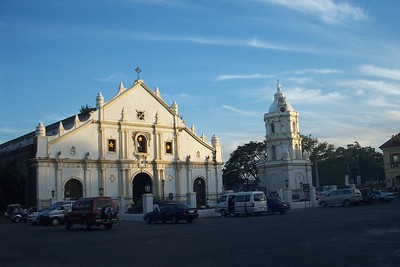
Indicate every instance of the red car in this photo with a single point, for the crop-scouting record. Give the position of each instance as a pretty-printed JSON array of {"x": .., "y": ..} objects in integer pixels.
[{"x": 94, "y": 211}]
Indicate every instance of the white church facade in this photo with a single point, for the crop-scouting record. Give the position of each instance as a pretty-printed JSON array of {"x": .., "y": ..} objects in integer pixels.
[
  {"x": 284, "y": 167},
  {"x": 128, "y": 146}
]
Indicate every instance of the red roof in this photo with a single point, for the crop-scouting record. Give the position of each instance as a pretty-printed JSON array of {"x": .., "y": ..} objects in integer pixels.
[{"x": 392, "y": 142}]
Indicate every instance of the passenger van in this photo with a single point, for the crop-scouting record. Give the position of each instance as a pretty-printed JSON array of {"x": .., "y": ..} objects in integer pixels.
[{"x": 245, "y": 203}]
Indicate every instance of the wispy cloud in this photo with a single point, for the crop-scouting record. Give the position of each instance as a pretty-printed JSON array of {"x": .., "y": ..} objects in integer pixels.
[
  {"x": 380, "y": 72},
  {"x": 116, "y": 77},
  {"x": 238, "y": 111},
  {"x": 373, "y": 86},
  {"x": 315, "y": 96},
  {"x": 243, "y": 76},
  {"x": 327, "y": 11},
  {"x": 317, "y": 71}
]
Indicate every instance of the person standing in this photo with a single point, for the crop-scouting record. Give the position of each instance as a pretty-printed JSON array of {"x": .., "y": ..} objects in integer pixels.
[{"x": 156, "y": 211}]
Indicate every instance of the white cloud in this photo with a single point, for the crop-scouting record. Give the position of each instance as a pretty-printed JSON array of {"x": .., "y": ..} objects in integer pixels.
[
  {"x": 238, "y": 111},
  {"x": 327, "y": 11},
  {"x": 317, "y": 71},
  {"x": 115, "y": 78},
  {"x": 380, "y": 72},
  {"x": 374, "y": 86},
  {"x": 315, "y": 96},
  {"x": 243, "y": 76}
]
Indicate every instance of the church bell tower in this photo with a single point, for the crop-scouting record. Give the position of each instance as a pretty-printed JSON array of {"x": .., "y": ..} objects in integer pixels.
[{"x": 285, "y": 166}]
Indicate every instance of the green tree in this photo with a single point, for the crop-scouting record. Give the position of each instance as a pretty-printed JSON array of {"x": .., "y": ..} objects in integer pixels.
[
  {"x": 241, "y": 168},
  {"x": 86, "y": 109},
  {"x": 331, "y": 164}
]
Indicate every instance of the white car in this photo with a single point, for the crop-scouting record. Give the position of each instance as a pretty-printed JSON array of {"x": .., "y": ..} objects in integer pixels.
[
  {"x": 383, "y": 196},
  {"x": 32, "y": 218}
]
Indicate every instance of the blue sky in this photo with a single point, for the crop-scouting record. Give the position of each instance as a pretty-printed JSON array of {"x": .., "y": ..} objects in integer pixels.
[{"x": 338, "y": 63}]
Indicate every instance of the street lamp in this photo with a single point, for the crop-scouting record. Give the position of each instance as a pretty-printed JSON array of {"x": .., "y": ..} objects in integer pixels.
[
  {"x": 53, "y": 193},
  {"x": 163, "y": 185},
  {"x": 101, "y": 191}
]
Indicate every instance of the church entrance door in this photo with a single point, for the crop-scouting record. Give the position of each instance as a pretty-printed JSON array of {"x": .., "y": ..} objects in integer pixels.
[
  {"x": 199, "y": 186},
  {"x": 73, "y": 189},
  {"x": 142, "y": 184}
]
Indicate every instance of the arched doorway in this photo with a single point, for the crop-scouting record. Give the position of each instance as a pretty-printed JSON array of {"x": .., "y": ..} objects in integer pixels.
[
  {"x": 199, "y": 186},
  {"x": 141, "y": 184},
  {"x": 73, "y": 189}
]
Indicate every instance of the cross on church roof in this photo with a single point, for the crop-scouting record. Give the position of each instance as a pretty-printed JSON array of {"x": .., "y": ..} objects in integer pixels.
[
  {"x": 138, "y": 70},
  {"x": 278, "y": 86}
]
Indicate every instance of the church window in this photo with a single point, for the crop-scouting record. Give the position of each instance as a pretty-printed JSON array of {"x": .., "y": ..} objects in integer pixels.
[
  {"x": 112, "y": 143},
  {"x": 141, "y": 144},
  {"x": 272, "y": 127},
  {"x": 273, "y": 153},
  {"x": 168, "y": 147}
]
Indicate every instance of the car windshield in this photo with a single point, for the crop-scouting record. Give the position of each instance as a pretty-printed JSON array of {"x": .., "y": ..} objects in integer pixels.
[
  {"x": 259, "y": 197},
  {"x": 183, "y": 206},
  {"x": 101, "y": 203},
  {"x": 54, "y": 206}
]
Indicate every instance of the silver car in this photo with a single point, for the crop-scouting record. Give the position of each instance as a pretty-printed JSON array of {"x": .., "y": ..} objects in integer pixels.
[{"x": 344, "y": 197}]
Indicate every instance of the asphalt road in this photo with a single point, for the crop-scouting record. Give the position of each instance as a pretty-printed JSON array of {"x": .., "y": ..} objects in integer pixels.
[{"x": 355, "y": 236}]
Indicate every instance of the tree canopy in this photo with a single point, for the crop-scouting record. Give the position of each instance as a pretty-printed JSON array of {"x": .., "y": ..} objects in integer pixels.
[
  {"x": 330, "y": 164},
  {"x": 242, "y": 165},
  {"x": 86, "y": 109}
]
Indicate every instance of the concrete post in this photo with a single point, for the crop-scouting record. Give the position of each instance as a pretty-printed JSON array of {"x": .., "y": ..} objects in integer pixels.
[
  {"x": 147, "y": 202},
  {"x": 191, "y": 199},
  {"x": 122, "y": 207},
  {"x": 313, "y": 196},
  {"x": 280, "y": 194},
  {"x": 287, "y": 196}
]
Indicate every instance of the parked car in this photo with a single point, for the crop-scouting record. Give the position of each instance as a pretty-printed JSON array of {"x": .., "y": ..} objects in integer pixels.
[
  {"x": 383, "y": 196},
  {"x": 15, "y": 213},
  {"x": 245, "y": 203},
  {"x": 88, "y": 212},
  {"x": 275, "y": 204},
  {"x": 368, "y": 195},
  {"x": 33, "y": 217},
  {"x": 344, "y": 197},
  {"x": 173, "y": 212},
  {"x": 54, "y": 215}
]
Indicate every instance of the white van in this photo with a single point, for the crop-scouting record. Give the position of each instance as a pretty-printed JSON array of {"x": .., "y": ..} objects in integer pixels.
[{"x": 246, "y": 203}]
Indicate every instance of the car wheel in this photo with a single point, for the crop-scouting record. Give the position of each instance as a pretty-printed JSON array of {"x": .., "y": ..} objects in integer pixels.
[
  {"x": 223, "y": 213},
  {"x": 108, "y": 226},
  {"x": 346, "y": 203},
  {"x": 55, "y": 221},
  {"x": 86, "y": 225},
  {"x": 174, "y": 220},
  {"x": 189, "y": 220},
  {"x": 17, "y": 219},
  {"x": 323, "y": 204},
  {"x": 67, "y": 224}
]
